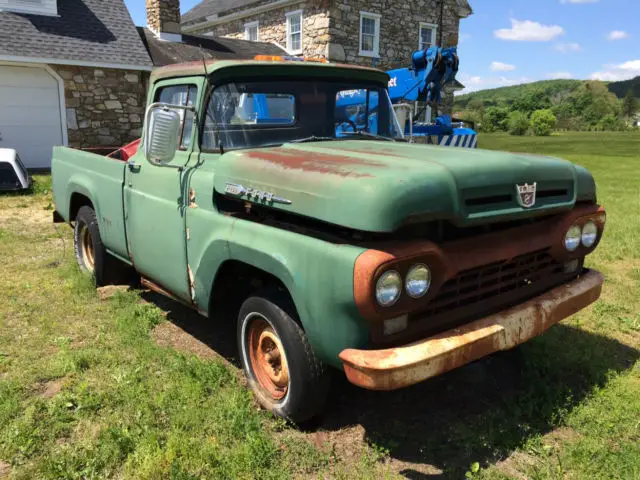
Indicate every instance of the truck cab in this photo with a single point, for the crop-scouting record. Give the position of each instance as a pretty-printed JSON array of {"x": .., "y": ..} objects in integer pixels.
[{"x": 346, "y": 248}]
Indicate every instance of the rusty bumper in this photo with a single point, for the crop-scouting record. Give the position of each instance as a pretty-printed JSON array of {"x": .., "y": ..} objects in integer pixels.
[{"x": 399, "y": 367}]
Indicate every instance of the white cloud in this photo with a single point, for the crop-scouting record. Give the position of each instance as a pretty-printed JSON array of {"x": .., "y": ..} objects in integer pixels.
[
  {"x": 622, "y": 71},
  {"x": 617, "y": 35},
  {"x": 474, "y": 83},
  {"x": 579, "y": 1},
  {"x": 501, "y": 67},
  {"x": 568, "y": 47},
  {"x": 528, "y": 31},
  {"x": 559, "y": 75}
]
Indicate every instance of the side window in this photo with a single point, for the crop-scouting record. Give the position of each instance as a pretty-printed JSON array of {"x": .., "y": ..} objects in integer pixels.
[{"x": 181, "y": 95}]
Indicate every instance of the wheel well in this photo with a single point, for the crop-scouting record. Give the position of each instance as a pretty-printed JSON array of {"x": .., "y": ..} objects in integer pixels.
[
  {"x": 78, "y": 200},
  {"x": 236, "y": 281}
]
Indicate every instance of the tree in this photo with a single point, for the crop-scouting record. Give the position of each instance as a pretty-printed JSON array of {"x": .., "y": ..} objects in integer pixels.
[
  {"x": 629, "y": 104},
  {"x": 592, "y": 101},
  {"x": 543, "y": 122},
  {"x": 531, "y": 101},
  {"x": 518, "y": 123},
  {"x": 495, "y": 119}
]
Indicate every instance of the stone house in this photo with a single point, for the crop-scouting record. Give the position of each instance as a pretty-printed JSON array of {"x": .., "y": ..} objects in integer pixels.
[
  {"x": 71, "y": 73},
  {"x": 379, "y": 33}
]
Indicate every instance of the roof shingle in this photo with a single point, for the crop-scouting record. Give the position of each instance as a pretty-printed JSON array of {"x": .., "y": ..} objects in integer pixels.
[
  {"x": 92, "y": 31},
  {"x": 195, "y": 47},
  {"x": 206, "y": 8}
]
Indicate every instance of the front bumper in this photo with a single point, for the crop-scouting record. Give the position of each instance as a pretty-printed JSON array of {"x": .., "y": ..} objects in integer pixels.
[{"x": 393, "y": 368}]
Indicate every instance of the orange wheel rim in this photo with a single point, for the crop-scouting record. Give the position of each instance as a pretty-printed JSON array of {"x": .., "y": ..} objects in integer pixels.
[
  {"x": 86, "y": 247},
  {"x": 268, "y": 359}
]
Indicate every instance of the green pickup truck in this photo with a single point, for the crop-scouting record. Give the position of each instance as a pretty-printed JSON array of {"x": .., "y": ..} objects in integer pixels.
[{"x": 390, "y": 261}]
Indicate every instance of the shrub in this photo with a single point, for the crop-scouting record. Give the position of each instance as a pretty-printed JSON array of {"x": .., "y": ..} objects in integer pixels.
[
  {"x": 543, "y": 122},
  {"x": 518, "y": 123},
  {"x": 495, "y": 119}
]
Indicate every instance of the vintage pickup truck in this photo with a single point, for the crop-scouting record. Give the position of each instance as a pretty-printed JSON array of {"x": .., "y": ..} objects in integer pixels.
[{"x": 390, "y": 261}]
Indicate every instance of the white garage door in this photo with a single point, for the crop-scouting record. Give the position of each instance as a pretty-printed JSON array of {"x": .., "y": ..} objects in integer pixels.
[{"x": 30, "y": 113}]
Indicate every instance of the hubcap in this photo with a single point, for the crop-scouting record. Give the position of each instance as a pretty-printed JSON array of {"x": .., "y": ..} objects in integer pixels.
[
  {"x": 86, "y": 247},
  {"x": 268, "y": 358}
]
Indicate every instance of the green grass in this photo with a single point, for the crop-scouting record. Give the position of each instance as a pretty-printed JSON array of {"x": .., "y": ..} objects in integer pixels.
[{"x": 86, "y": 392}]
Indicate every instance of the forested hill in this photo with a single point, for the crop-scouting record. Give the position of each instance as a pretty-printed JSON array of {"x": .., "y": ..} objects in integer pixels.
[{"x": 552, "y": 89}]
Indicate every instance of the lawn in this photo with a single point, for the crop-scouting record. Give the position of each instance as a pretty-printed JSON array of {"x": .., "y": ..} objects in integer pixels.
[{"x": 125, "y": 384}]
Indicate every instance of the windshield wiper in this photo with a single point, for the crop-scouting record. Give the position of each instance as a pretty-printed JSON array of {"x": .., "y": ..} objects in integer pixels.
[
  {"x": 312, "y": 138},
  {"x": 360, "y": 133}
]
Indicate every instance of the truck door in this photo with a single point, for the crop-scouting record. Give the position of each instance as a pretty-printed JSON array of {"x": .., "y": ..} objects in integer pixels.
[{"x": 156, "y": 198}]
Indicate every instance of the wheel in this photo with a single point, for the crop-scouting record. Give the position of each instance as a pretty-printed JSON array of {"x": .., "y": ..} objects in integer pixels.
[
  {"x": 280, "y": 365},
  {"x": 91, "y": 254}
]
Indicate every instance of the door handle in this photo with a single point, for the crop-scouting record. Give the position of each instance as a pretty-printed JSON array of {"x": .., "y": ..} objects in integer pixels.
[{"x": 133, "y": 166}]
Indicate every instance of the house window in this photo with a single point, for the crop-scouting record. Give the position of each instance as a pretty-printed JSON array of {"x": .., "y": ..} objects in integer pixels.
[
  {"x": 369, "y": 34},
  {"x": 294, "y": 32},
  {"x": 251, "y": 32},
  {"x": 36, "y": 7},
  {"x": 427, "y": 35}
]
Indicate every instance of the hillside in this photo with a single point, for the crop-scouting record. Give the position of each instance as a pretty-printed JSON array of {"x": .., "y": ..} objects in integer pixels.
[
  {"x": 620, "y": 89},
  {"x": 507, "y": 95},
  {"x": 548, "y": 88}
]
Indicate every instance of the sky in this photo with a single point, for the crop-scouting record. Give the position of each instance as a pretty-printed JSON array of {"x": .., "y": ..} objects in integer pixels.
[{"x": 507, "y": 42}]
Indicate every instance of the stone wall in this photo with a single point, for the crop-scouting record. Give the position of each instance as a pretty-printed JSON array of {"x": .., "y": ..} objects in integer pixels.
[
  {"x": 331, "y": 28},
  {"x": 272, "y": 27},
  {"x": 104, "y": 106},
  {"x": 399, "y": 29}
]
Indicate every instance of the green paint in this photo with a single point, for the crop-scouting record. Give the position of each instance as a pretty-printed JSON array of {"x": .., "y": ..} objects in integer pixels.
[{"x": 145, "y": 212}]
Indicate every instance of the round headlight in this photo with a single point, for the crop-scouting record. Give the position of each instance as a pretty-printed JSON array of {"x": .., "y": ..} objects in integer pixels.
[
  {"x": 589, "y": 234},
  {"x": 418, "y": 280},
  {"x": 572, "y": 238},
  {"x": 388, "y": 288}
]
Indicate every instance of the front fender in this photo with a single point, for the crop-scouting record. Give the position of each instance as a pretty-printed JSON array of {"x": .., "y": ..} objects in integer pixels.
[{"x": 317, "y": 274}]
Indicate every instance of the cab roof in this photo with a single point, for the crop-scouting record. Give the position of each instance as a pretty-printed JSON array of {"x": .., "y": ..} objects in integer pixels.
[{"x": 221, "y": 70}]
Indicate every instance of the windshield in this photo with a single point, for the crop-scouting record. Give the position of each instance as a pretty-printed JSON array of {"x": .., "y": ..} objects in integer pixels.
[{"x": 266, "y": 113}]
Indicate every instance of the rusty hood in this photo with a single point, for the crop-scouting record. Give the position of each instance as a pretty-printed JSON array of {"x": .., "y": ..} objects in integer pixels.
[{"x": 377, "y": 186}]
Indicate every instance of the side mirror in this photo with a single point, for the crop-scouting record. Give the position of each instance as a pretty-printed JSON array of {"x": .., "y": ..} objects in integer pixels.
[{"x": 161, "y": 138}]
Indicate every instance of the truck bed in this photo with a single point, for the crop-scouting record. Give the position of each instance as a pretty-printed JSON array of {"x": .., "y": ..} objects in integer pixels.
[{"x": 80, "y": 176}]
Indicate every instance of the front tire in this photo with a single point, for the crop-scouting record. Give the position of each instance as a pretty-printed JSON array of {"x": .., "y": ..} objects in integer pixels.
[{"x": 280, "y": 365}]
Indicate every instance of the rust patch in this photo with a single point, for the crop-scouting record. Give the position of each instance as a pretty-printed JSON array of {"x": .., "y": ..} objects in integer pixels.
[
  {"x": 393, "y": 368},
  {"x": 192, "y": 198},
  {"x": 315, "y": 162},
  {"x": 192, "y": 283}
]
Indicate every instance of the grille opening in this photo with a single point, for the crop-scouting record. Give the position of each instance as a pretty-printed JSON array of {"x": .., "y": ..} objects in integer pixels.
[
  {"x": 560, "y": 192},
  {"x": 490, "y": 288},
  {"x": 474, "y": 202}
]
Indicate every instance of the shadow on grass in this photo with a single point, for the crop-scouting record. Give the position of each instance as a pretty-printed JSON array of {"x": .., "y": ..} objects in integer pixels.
[
  {"x": 484, "y": 411},
  {"x": 218, "y": 333},
  {"x": 478, "y": 413}
]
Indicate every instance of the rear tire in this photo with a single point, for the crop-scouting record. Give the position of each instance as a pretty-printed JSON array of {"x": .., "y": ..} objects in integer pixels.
[
  {"x": 91, "y": 254},
  {"x": 280, "y": 365}
]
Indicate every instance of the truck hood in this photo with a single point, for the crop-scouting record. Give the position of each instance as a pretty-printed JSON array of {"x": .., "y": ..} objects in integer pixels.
[{"x": 378, "y": 186}]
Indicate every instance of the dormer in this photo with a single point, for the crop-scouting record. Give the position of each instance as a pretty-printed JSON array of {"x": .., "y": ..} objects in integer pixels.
[{"x": 34, "y": 7}]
